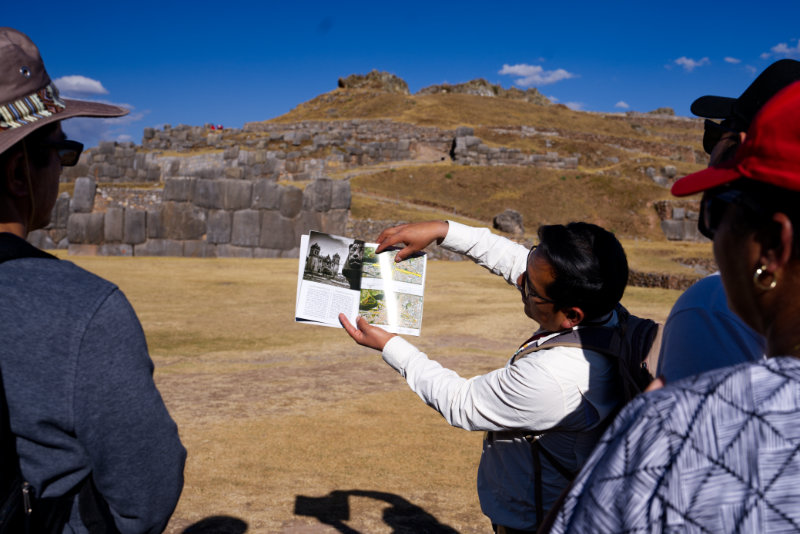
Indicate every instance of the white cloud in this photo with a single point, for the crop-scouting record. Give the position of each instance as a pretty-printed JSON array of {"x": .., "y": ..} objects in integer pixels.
[
  {"x": 529, "y": 75},
  {"x": 785, "y": 50},
  {"x": 732, "y": 60},
  {"x": 690, "y": 64},
  {"x": 751, "y": 69},
  {"x": 552, "y": 99},
  {"x": 622, "y": 105},
  {"x": 80, "y": 85},
  {"x": 575, "y": 106}
]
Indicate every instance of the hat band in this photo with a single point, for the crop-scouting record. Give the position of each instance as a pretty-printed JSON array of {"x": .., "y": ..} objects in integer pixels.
[{"x": 42, "y": 104}]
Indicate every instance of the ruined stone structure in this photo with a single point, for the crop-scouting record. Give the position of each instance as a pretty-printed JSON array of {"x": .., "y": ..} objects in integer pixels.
[
  {"x": 196, "y": 217},
  {"x": 194, "y": 191}
]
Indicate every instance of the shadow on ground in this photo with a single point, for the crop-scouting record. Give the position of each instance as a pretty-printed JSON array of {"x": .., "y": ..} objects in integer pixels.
[
  {"x": 218, "y": 524},
  {"x": 403, "y": 516}
]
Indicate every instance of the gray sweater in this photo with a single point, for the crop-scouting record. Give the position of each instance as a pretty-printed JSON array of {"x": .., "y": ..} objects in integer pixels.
[{"x": 80, "y": 394}]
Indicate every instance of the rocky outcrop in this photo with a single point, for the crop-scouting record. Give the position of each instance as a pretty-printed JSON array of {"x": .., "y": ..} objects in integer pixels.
[
  {"x": 481, "y": 87},
  {"x": 375, "y": 80}
]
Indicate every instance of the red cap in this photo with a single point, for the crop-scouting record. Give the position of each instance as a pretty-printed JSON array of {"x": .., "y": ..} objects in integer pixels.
[{"x": 769, "y": 154}]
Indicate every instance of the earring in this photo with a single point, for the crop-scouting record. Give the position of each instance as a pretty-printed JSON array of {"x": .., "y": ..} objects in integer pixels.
[{"x": 759, "y": 279}]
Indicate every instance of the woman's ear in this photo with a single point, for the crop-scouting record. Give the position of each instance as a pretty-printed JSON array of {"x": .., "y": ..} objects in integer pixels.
[{"x": 776, "y": 249}]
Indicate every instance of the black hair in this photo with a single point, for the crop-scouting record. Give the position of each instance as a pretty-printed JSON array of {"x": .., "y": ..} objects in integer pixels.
[{"x": 589, "y": 266}]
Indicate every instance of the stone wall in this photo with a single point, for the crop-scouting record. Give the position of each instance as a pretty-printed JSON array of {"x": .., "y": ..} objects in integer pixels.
[
  {"x": 470, "y": 150},
  {"x": 195, "y": 217},
  {"x": 679, "y": 219}
]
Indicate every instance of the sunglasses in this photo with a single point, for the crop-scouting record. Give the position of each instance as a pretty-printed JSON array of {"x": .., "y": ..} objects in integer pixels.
[
  {"x": 527, "y": 288},
  {"x": 713, "y": 206},
  {"x": 69, "y": 152},
  {"x": 713, "y": 132}
]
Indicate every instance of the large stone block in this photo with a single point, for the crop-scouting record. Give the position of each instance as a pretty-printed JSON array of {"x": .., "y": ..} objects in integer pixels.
[
  {"x": 334, "y": 221},
  {"x": 266, "y": 195},
  {"x": 155, "y": 230},
  {"x": 179, "y": 189},
  {"x": 306, "y": 221},
  {"x": 199, "y": 249},
  {"x": 291, "y": 201},
  {"x": 41, "y": 239},
  {"x": 232, "y": 251},
  {"x": 113, "y": 225},
  {"x": 60, "y": 214},
  {"x": 340, "y": 195},
  {"x": 317, "y": 195},
  {"x": 246, "y": 228},
  {"x": 673, "y": 229},
  {"x": 135, "y": 230},
  {"x": 277, "y": 231},
  {"x": 218, "y": 229},
  {"x": 83, "y": 197},
  {"x": 181, "y": 220},
  {"x": 159, "y": 247},
  {"x": 86, "y": 228},
  {"x": 236, "y": 195},
  {"x": 208, "y": 193},
  {"x": 115, "y": 249},
  {"x": 82, "y": 250}
]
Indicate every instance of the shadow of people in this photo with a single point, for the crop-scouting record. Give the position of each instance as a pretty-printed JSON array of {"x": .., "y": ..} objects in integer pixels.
[
  {"x": 218, "y": 524},
  {"x": 403, "y": 516}
]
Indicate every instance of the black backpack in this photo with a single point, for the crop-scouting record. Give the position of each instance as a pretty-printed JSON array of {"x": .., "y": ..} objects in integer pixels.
[{"x": 634, "y": 345}]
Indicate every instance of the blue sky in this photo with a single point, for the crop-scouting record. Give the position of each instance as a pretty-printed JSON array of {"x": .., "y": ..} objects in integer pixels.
[{"x": 178, "y": 62}]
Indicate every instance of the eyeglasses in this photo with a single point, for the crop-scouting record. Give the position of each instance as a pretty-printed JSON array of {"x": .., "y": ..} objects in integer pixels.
[
  {"x": 527, "y": 287},
  {"x": 713, "y": 132},
  {"x": 713, "y": 206},
  {"x": 69, "y": 152}
]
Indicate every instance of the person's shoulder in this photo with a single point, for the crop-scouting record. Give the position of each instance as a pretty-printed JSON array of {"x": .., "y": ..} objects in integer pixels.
[
  {"x": 64, "y": 276},
  {"x": 702, "y": 292}
]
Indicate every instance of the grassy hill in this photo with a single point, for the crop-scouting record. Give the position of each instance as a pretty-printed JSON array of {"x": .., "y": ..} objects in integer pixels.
[{"x": 612, "y": 185}]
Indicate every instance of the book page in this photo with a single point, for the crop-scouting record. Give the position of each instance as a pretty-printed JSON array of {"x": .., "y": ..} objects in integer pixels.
[
  {"x": 328, "y": 279},
  {"x": 392, "y": 293}
]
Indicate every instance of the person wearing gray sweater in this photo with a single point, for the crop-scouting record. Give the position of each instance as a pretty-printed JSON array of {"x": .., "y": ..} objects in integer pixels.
[{"x": 90, "y": 427}]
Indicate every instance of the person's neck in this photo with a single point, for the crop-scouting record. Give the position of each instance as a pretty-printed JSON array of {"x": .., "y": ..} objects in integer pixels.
[{"x": 16, "y": 228}]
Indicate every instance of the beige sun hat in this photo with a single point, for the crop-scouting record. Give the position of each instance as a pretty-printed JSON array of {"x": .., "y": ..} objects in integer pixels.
[{"x": 28, "y": 98}]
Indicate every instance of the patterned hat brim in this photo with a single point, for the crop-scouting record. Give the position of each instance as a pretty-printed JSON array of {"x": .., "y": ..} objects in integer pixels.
[{"x": 72, "y": 108}]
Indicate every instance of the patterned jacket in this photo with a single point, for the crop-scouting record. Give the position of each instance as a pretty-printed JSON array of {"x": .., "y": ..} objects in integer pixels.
[{"x": 717, "y": 452}]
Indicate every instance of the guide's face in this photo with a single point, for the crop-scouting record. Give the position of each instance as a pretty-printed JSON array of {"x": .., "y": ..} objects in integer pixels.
[{"x": 533, "y": 283}]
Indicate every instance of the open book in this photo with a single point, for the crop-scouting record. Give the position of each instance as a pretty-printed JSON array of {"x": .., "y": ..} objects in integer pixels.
[{"x": 342, "y": 275}]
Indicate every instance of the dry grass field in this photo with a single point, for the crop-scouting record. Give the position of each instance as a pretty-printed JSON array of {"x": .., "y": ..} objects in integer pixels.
[{"x": 295, "y": 429}]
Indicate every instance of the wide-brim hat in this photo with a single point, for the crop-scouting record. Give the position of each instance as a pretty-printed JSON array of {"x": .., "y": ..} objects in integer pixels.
[
  {"x": 28, "y": 98},
  {"x": 770, "y": 153}
]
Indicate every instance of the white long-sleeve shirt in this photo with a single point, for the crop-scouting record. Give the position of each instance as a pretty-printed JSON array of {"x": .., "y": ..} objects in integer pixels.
[{"x": 562, "y": 387}]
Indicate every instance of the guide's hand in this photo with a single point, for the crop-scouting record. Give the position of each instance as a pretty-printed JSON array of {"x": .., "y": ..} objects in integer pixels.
[
  {"x": 415, "y": 236},
  {"x": 365, "y": 334}
]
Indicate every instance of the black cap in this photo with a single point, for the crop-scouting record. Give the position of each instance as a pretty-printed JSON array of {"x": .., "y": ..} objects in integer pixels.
[{"x": 740, "y": 111}]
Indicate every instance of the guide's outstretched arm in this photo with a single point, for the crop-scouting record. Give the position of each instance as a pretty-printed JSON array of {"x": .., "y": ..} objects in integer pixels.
[
  {"x": 365, "y": 334},
  {"x": 415, "y": 236}
]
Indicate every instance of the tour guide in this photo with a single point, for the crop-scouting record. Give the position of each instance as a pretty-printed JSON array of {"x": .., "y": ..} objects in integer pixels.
[{"x": 573, "y": 278}]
